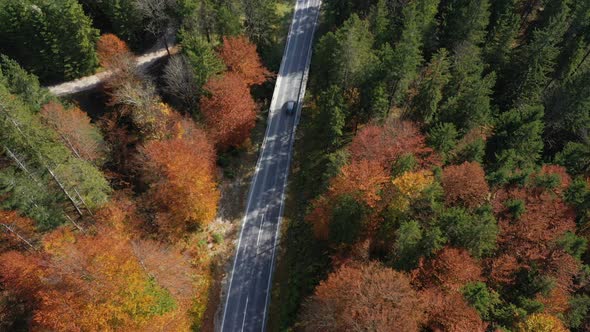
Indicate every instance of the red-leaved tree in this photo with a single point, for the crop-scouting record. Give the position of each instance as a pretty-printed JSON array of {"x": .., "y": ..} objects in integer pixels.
[
  {"x": 109, "y": 49},
  {"x": 449, "y": 270},
  {"x": 386, "y": 143},
  {"x": 240, "y": 56},
  {"x": 465, "y": 184},
  {"x": 364, "y": 297},
  {"x": 229, "y": 111}
]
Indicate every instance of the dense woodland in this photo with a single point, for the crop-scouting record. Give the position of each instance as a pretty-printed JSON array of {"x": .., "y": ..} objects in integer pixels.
[
  {"x": 441, "y": 178},
  {"x": 105, "y": 217},
  {"x": 450, "y": 142}
]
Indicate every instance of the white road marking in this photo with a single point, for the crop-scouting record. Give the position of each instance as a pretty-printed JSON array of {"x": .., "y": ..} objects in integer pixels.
[
  {"x": 244, "y": 320},
  {"x": 260, "y": 231}
]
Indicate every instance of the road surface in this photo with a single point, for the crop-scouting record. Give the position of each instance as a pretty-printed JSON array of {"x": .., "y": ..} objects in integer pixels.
[{"x": 248, "y": 294}]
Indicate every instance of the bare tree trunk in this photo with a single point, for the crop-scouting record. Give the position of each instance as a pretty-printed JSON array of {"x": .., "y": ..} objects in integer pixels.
[{"x": 9, "y": 228}]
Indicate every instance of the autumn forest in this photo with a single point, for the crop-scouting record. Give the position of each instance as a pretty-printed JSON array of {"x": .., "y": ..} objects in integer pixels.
[{"x": 440, "y": 177}]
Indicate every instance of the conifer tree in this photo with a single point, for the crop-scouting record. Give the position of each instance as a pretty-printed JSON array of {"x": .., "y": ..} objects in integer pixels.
[
  {"x": 464, "y": 20},
  {"x": 64, "y": 50},
  {"x": 430, "y": 88},
  {"x": 468, "y": 92},
  {"x": 400, "y": 62}
]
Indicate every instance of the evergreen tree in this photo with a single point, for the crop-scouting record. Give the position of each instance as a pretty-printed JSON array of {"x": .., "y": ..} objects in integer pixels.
[
  {"x": 534, "y": 62},
  {"x": 45, "y": 162},
  {"x": 575, "y": 53},
  {"x": 23, "y": 84},
  {"x": 515, "y": 147},
  {"x": 464, "y": 21},
  {"x": 443, "y": 138},
  {"x": 332, "y": 116},
  {"x": 201, "y": 57},
  {"x": 568, "y": 110},
  {"x": 430, "y": 87},
  {"x": 408, "y": 245},
  {"x": 261, "y": 18},
  {"x": 380, "y": 23},
  {"x": 118, "y": 16},
  {"x": 467, "y": 103},
  {"x": 504, "y": 27},
  {"x": 346, "y": 56},
  {"x": 400, "y": 63},
  {"x": 53, "y": 39}
]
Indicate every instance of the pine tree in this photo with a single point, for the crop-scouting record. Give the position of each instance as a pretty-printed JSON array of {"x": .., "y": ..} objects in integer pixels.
[
  {"x": 53, "y": 39},
  {"x": 260, "y": 22},
  {"x": 353, "y": 56},
  {"x": 515, "y": 147},
  {"x": 380, "y": 23},
  {"x": 332, "y": 116},
  {"x": 430, "y": 88},
  {"x": 464, "y": 21},
  {"x": 467, "y": 102},
  {"x": 535, "y": 61},
  {"x": 400, "y": 63},
  {"x": 504, "y": 27}
]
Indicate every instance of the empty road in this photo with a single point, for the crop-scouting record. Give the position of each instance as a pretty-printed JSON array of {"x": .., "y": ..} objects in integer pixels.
[{"x": 248, "y": 294}]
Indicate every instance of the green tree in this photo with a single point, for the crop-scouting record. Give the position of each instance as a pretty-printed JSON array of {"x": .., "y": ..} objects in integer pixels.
[
  {"x": 467, "y": 102},
  {"x": 201, "y": 57},
  {"x": 400, "y": 63},
  {"x": 380, "y": 23},
  {"x": 261, "y": 19},
  {"x": 535, "y": 61},
  {"x": 346, "y": 57},
  {"x": 464, "y": 21},
  {"x": 118, "y": 16},
  {"x": 443, "y": 138},
  {"x": 578, "y": 311},
  {"x": 504, "y": 27},
  {"x": 37, "y": 152},
  {"x": 575, "y": 157},
  {"x": 430, "y": 88},
  {"x": 567, "y": 109},
  {"x": 332, "y": 116},
  {"x": 408, "y": 245},
  {"x": 23, "y": 84},
  {"x": 484, "y": 300},
  {"x": 476, "y": 233},
  {"x": 347, "y": 220},
  {"x": 515, "y": 147},
  {"x": 53, "y": 39}
]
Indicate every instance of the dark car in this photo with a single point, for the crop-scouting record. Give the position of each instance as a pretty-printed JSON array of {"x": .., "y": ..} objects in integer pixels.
[{"x": 289, "y": 107}]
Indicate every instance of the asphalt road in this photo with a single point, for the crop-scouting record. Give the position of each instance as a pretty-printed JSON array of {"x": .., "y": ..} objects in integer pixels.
[{"x": 248, "y": 294}]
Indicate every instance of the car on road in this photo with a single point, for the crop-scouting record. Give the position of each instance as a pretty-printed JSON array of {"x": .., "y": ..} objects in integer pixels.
[{"x": 289, "y": 107}]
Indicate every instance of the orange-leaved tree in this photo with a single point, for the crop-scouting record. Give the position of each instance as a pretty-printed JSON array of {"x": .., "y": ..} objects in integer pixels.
[
  {"x": 16, "y": 231},
  {"x": 181, "y": 175},
  {"x": 362, "y": 181},
  {"x": 449, "y": 270},
  {"x": 96, "y": 283},
  {"x": 229, "y": 110},
  {"x": 465, "y": 184},
  {"x": 450, "y": 312},
  {"x": 110, "y": 49},
  {"x": 240, "y": 56},
  {"x": 364, "y": 296},
  {"x": 75, "y": 130}
]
